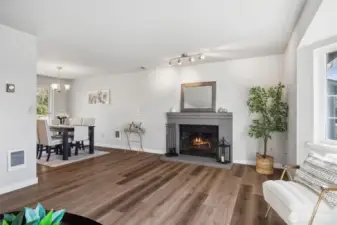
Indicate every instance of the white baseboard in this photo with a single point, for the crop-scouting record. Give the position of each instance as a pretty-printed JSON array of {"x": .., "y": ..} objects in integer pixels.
[
  {"x": 18, "y": 185},
  {"x": 149, "y": 150},
  {"x": 253, "y": 163}
]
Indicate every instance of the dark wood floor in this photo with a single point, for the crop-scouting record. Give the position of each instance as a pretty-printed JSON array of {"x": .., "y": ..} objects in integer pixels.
[{"x": 138, "y": 189}]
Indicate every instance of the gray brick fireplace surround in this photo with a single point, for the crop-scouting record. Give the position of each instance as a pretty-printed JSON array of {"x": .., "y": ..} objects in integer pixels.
[{"x": 223, "y": 120}]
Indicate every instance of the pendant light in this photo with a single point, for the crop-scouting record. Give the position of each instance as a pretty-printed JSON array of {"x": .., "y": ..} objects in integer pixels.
[{"x": 57, "y": 87}]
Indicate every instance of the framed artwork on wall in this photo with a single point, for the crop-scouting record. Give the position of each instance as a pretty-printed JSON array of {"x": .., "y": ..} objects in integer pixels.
[{"x": 99, "y": 97}]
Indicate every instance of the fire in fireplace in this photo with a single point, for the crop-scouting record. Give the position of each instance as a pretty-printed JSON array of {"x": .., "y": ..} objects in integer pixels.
[{"x": 199, "y": 140}]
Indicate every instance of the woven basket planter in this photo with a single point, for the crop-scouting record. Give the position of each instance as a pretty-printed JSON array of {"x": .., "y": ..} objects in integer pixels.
[{"x": 264, "y": 165}]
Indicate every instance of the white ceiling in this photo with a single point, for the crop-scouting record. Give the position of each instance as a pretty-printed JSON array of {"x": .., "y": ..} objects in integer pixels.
[{"x": 89, "y": 37}]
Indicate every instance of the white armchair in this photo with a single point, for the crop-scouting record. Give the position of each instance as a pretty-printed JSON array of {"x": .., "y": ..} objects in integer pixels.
[{"x": 298, "y": 205}]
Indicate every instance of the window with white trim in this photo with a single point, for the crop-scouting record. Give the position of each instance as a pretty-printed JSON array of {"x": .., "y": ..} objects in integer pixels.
[
  {"x": 331, "y": 93},
  {"x": 44, "y": 103}
]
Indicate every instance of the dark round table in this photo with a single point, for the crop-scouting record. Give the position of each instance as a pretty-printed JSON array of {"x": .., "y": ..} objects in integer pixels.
[{"x": 68, "y": 219}]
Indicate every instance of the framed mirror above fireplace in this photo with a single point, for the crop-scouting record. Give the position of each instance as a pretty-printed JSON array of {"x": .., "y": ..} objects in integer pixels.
[{"x": 198, "y": 97}]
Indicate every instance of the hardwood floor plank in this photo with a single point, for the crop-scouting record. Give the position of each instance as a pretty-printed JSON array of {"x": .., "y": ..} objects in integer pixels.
[
  {"x": 144, "y": 213},
  {"x": 238, "y": 170},
  {"x": 222, "y": 198},
  {"x": 126, "y": 188},
  {"x": 168, "y": 209},
  {"x": 141, "y": 168},
  {"x": 110, "y": 218},
  {"x": 105, "y": 208},
  {"x": 164, "y": 177},
  {"x": 212, "y": 179},
  {"x": 138, "y": 173},
  {"x": 187, "y": 202},
  {"x": 191, "y": 211},
  {"x": 241, "y": 214},
  {"x": 144, "y": 193},
  {"x": 197, "y": 170},
  {"x": 205, "y": 215}
]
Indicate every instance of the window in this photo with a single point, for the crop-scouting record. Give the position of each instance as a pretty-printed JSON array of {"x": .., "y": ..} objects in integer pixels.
[
  {"x": 42, "y": 102},
  {"x": 331, "y": 101}
]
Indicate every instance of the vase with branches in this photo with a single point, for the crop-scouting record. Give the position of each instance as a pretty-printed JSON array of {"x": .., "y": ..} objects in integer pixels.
[{"x": 270, "y": 113}]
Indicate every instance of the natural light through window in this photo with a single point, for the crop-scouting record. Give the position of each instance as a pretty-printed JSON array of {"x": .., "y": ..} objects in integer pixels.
[
  {"x": 331, "y": 131},
  {"x": 42, "y": 99}
]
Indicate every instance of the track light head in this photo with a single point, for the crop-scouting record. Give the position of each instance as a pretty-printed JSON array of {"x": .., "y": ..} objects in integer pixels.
[
  {"x": 191, "y": 59},
  {"x": 202, "y": 57},
  {"x": 179, "y": 62}
]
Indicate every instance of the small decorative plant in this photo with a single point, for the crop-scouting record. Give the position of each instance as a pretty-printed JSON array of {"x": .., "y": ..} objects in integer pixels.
[
  {"x": 62, "y": 117},
  {"x": 37, "y": 216},
  {"x": 271, "y": 111}
]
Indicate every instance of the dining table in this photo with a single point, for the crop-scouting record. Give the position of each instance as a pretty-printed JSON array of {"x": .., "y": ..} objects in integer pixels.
[{"x": 66, "y": 129}]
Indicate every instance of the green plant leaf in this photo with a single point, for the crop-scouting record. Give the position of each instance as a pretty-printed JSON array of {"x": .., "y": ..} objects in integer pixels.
[
  {"x": 40, "y": 211},
  {"x": 19, "y": 218},
  {"x": 9, "y": 217},
  {"x": 56, "y": 223},
  {"x": 4, "y": 222},
  {"x": 47, "y": 220},
  {"x": 57, "y": 216},
  {"x": 30, "y": 216},
  {"x": 31, "y": 223}
]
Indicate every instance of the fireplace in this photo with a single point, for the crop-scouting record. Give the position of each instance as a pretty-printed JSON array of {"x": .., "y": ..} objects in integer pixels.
[{"x": 199, "y": 140}]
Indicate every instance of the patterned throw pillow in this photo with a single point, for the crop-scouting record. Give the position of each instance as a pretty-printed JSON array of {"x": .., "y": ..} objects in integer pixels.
[{"x": 316, "y": 172}]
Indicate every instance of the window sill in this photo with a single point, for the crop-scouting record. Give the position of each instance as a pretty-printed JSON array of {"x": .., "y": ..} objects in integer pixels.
[
  {"x": 324, "y": 147},
  {"x": 329, "y": 143}
]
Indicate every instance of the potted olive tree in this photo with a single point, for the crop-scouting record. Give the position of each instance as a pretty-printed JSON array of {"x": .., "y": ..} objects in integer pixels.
[{"x": 270, "y": 114}]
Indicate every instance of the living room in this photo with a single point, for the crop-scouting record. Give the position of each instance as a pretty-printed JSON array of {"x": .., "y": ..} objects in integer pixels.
[{"x": 124, "y": 71}]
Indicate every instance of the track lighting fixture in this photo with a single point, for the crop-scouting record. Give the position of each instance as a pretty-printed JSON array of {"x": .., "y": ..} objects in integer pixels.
[{"x": 184, "y": 58}]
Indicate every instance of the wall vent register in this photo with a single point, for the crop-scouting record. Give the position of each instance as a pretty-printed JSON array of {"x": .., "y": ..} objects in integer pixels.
[{"x": 16, "y": 159}]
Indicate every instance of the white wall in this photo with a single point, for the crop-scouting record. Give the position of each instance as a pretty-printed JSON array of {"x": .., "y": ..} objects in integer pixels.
[
  {"x": 290, "y": 75},
  {"x": 148, "y": 95},
  {"x": 61, "y": 100},
  {"x": 321, "y": 32},
  {"x": 309, "y": 76},
  {"x": 18, "y": 114},
  {"x": 323, "y": 25}
]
